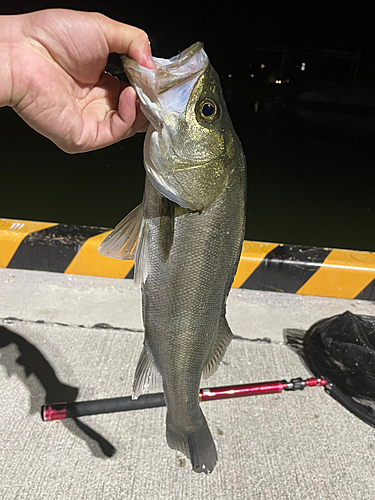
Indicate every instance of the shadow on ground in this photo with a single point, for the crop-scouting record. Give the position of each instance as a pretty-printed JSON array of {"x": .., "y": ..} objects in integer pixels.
[{"x": 21, "y": 358}]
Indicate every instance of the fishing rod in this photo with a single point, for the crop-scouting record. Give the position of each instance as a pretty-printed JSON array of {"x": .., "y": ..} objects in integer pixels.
[{"x": 61, "y": 411}]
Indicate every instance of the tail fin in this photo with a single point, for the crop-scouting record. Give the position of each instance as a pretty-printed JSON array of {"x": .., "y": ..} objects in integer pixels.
[{"x": 197, "y": 445}]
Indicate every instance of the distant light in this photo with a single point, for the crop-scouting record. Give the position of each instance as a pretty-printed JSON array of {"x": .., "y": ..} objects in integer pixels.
[
  {"x": 250, "y": 65},
  {"x": 252, "y": 75},
  {"x": 262, "y": 66},
  {"x": 229, "y": 76},
  {"x": 303, "y": 66},
  {"x": 277, "y": 81}
]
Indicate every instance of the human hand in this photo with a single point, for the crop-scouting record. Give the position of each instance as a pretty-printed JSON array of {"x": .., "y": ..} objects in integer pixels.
[{"x": 58, "y": 85}]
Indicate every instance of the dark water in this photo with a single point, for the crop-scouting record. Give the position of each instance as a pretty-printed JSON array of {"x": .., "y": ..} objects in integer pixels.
[{"x": 307, "y": 184}]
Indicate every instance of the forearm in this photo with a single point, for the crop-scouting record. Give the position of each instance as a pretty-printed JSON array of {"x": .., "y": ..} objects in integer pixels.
[{"x": 10, "y": 40}]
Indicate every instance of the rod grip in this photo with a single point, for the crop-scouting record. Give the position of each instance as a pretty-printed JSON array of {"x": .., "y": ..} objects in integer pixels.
[{"x": 60, "y": 411}]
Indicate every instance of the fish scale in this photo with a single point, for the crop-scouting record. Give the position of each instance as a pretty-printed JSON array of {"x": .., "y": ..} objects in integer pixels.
[{"x": 191, "y": 296}]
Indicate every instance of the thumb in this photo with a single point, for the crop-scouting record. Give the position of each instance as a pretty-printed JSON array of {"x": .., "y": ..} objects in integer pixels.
[{"x": 126, "y": 39}]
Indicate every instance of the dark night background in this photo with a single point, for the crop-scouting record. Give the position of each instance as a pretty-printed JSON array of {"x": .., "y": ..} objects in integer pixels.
[{"x": 311, "y": 172}]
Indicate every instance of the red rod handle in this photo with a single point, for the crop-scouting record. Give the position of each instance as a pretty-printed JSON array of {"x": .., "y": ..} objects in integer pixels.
[
  {"x": 258, "y": 389},
  {"x": 242, "y": 390}
]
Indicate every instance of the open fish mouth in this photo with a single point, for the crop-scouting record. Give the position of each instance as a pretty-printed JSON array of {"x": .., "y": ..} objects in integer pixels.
[
  {"x": 167, "y": 88},
  {"x": 169, "y": 72}
]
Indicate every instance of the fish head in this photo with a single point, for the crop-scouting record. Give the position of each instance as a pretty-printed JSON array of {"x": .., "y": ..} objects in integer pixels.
[{"x": 190, "y": 140}]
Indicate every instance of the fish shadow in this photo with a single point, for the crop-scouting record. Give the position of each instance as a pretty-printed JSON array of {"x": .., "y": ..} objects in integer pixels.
[{"x": 21, "y": 358}]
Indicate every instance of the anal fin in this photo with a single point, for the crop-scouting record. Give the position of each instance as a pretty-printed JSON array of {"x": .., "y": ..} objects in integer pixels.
[
  {"x": 223, "y": 339},
  {"x": 147, "y": 377}
]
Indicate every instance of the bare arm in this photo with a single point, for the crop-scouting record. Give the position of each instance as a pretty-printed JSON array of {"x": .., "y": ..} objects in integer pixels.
[{"x": 52, "y": 74}]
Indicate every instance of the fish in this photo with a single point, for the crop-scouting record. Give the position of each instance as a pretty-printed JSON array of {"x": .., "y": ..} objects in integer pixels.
[{"x": 185, "y": 237}]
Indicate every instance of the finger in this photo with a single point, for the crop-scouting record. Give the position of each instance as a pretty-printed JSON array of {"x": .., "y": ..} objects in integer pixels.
[
  {"x": 102, "y": 128},
  {"x": 126, "y": 39},
  {"x": 123, "y": 123},
  {"x": 128, "y": 109}
]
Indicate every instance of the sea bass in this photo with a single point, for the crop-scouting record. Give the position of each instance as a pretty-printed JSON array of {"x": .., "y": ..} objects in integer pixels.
[{"x": 185, "y": 237}]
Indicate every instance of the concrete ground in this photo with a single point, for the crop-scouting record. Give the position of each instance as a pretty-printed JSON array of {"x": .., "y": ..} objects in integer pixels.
[{"x": 60, "y": 333}]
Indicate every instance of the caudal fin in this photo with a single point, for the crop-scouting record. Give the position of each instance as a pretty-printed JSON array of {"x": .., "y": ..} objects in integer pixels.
[{"x": 198, "y": 445}]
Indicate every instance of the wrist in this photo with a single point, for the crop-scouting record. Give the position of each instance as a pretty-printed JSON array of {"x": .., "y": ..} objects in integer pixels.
[{"x": 10, "y": 36}]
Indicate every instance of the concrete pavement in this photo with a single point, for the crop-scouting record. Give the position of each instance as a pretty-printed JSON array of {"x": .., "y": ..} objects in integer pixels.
[{"x": 60, "y": 334}]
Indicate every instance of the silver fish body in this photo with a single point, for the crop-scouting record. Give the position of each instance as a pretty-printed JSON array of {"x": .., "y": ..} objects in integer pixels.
[{"x": 188, "y": 243}]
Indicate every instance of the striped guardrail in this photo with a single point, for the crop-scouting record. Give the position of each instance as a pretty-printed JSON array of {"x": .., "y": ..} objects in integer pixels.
[{"x": 273, "y": 267}]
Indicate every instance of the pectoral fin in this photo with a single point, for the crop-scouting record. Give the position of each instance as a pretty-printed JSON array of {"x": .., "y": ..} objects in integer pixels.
[
  {"x": 141, "y": 259},
  {"x": 147, "y": 377},
  {"x": 223, "y": 339},
  {"x": 166, "y": 228},
  {"x": 121, "y": 243}
]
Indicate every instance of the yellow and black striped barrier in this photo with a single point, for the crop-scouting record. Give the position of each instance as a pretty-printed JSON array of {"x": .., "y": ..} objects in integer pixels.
[{"x": 273, "y": 267}]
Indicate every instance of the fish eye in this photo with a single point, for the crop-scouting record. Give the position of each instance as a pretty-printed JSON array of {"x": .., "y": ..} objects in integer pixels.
[{"x": 208, "y": 109}]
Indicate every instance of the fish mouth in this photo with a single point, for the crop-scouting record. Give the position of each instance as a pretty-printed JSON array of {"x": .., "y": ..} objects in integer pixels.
[
  {"x": 167, "y": 88},
  {"x": 169, "y": 73}
]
